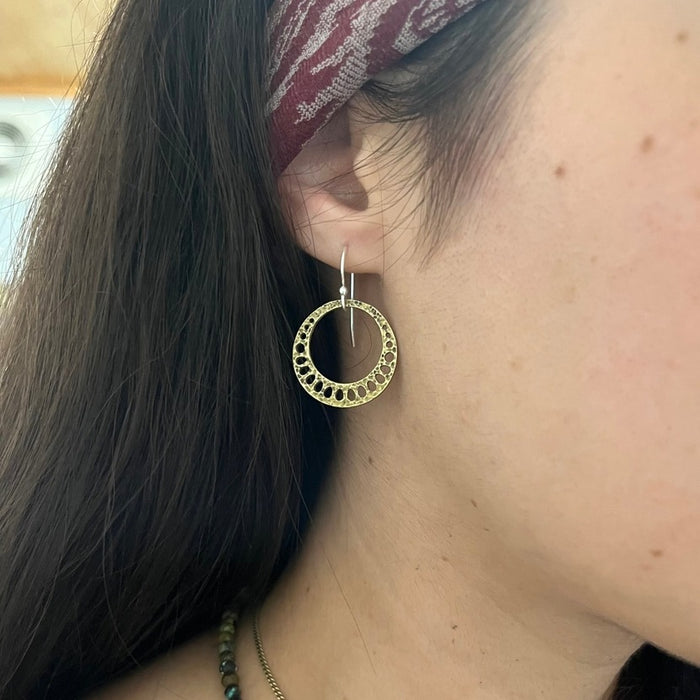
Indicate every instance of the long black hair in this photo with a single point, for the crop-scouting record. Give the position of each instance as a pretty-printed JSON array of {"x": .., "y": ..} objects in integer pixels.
[{"x": 157, "y": 457}]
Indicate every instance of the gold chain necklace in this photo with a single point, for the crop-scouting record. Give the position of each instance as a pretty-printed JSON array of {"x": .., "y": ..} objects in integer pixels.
[
  {"x": 227, "y": 664},
  {"x": 263, "y": 659}
]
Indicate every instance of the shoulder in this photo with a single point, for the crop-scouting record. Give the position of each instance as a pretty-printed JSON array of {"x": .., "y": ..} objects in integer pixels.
[{"x": 187, "y": 672}]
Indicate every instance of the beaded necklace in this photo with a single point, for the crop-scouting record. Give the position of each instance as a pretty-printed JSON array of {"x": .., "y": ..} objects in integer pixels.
[{"x": 227, "y": 664}]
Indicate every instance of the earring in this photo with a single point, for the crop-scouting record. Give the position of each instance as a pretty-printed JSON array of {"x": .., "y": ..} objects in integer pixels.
[{"x": 339, "y": 394}]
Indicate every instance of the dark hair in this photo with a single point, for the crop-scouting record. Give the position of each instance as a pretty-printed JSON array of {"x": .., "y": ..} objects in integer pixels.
[{"x": 156, "y": 453}]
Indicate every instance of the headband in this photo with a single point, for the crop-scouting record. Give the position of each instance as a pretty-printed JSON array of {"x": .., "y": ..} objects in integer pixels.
[{"x": 323, "y": 51}]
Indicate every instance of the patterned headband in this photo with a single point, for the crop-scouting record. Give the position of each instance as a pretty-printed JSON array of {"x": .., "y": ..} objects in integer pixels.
[{"x": 323, "y": 51}]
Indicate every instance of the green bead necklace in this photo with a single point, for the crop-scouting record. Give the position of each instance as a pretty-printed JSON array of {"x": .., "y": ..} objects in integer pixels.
[{"x": 227, "y": 663}]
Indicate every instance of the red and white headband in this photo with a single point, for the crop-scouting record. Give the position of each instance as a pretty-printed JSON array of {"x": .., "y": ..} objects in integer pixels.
[{"x": 323, "y": 51}]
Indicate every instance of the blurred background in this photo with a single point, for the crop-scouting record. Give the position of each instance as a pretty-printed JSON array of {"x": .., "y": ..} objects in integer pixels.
[{"x": 44, "y": 45}]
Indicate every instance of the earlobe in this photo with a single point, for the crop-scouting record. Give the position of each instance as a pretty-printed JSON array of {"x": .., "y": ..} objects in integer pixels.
[{"x": 327, "y": 197}]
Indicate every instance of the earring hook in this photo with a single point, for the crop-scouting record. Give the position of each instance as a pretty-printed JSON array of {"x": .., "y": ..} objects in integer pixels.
[{"x": 343, "y": 293}]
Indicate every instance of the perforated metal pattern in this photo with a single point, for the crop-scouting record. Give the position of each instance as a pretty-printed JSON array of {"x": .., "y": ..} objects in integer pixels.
[{"x": 339, "y": 394}]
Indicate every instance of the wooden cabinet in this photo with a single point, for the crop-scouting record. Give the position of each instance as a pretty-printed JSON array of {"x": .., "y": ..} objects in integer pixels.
[{"x": 43, "y": 43}]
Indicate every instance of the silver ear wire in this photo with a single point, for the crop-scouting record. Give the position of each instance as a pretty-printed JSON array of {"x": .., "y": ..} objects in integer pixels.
[
  {"x": 352, "y": 310},
  {"x": 343, "y": 293}
]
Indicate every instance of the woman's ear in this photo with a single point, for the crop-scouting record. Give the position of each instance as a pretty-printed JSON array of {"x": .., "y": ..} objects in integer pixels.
[{"x": 332, "y": 195}]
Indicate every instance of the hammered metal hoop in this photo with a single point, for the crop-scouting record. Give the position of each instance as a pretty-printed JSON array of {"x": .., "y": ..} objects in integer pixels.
[{"x": 340, "y": 394}]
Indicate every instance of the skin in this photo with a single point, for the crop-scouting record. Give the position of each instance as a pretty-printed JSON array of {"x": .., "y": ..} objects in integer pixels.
[{"x": 519, "y": 511}]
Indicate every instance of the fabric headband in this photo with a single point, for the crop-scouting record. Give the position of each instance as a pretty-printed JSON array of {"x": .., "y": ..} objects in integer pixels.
[{"x": 323, "y": 51}]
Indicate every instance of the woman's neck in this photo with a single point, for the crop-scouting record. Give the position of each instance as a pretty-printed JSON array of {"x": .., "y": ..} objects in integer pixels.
[{"x": 402, "y": 591}]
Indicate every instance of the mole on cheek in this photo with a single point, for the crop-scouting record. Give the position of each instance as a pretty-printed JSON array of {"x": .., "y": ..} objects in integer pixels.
[
  {"x": 682, "y": 37},
  {"x": 560, "y": 172},
  {"x": 647, "y": 144},
  {"x": 656, "y": 552}
]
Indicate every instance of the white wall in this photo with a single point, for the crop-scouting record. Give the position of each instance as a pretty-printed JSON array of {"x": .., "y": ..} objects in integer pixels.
[{"x": 29, "y": 127}]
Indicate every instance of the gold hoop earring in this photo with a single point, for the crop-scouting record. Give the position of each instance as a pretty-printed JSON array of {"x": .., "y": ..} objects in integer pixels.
[{"x": 341, "y": 394}]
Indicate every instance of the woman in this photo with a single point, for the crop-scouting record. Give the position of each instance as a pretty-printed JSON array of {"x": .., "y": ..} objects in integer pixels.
[{"x": 514, "y": 513}]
